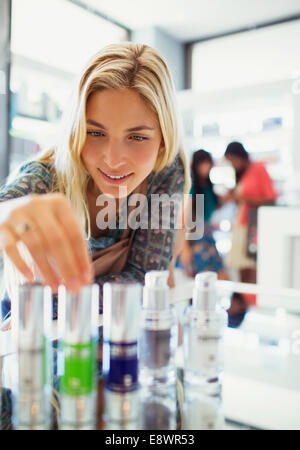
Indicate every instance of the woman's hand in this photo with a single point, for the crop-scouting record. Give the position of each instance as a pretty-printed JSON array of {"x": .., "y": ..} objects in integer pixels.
[{"x": 47, "y": 225}]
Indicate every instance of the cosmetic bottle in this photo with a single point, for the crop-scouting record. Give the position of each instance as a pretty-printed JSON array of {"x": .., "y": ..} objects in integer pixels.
[
  {"x": 158, "y": 407},
  {"x": 78, "y": 335},
  {"x": 159, "y": 332},
  {"x": 203, "y": 331},
  {"x": 157, "y": 345},
  {"x": 121, "y": 317},
  {"x": 31, "y": 326}
]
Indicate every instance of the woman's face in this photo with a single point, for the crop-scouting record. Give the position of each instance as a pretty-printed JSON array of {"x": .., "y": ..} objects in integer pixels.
[
  {"x": 239, "y": 164},
  {"x": 203, "y": 169},
  {"x": 123, "y": 140}
]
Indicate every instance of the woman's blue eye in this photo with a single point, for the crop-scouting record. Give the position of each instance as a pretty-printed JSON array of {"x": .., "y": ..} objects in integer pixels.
[
  {"x": 139, "y": 138},
  {"x": 134, "y": 137},
  {"x": 95, "y": 133}
]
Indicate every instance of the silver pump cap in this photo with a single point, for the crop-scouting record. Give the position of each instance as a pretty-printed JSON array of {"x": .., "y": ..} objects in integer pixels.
[
  {"x": 78, "y": 314},
  {"x": 156, "y": 290},
  {"x": 204, "y": 293},
  {"x": 121, "y": 312},
  {"x": 33, "y": 316}
]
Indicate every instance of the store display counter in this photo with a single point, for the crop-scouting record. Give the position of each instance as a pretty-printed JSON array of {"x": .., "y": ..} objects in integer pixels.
[{"x": 261, "y": 384}]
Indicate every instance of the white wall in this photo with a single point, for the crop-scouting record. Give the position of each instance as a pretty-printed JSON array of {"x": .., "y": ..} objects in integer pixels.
[
  {"x": 254, "y": 57},
  {"x": 278, "y": 261}
]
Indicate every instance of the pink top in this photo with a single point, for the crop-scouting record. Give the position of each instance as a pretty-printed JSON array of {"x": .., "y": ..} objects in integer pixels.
[{"x": 255, "y": 184}]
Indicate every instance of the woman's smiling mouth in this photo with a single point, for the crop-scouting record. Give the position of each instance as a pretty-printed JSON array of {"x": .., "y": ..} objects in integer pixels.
[{"x": 114, "y": 179}]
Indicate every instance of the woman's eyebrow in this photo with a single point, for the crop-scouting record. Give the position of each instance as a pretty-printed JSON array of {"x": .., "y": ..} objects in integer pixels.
[
  {"x": 138, "y": 128},
  {"x": 96, "y": 124}
]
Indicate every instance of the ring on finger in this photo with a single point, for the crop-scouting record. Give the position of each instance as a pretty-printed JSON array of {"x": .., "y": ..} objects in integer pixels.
[{"x": 22, "y": 228}]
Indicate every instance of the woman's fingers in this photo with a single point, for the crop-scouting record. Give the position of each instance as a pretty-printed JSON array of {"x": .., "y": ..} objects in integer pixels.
[
  {"x": 64, "y": 241},
  {"x": 33, "y": 239},
  {"x": 8, "y": 244},
  {"x": 76, "y": 241},
  {"x": 59, "y": 247},
  {"x": 48, "y": 227}
]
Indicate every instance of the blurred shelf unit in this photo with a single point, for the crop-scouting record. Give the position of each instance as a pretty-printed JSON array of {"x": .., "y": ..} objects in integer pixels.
[
  {"x": 38, "y": 90},
  {"x": 38, "y": 95}
]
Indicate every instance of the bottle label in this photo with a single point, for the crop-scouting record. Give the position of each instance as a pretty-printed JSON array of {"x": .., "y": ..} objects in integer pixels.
[
  {"x": 120, "y": 366},
  {"x": 79, "y": 376},
  {"x": 35, "y": 368},
  {"x": 206, "y": 351},
  {"x": 31, "y": 371}
]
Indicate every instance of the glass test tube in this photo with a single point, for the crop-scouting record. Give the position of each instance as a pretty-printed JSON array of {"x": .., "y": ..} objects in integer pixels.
[
  {"x": 78, "y": 332},
  {"x": 158, "y": 407},
  {"x": 32, "y": 390},
  {"x": 121, "y": 312}
]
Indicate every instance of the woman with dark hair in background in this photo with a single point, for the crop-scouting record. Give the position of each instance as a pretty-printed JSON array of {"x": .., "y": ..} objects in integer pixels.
[
  {"x": 254, "y": 188},
  {"x": 202, "y": 254}
]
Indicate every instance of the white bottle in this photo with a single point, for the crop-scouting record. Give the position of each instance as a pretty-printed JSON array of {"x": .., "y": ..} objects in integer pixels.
[
  {"x": 159, "y": 332},
  {"x": 203, "y": 331},
  {"x": 157, "y": 345}
]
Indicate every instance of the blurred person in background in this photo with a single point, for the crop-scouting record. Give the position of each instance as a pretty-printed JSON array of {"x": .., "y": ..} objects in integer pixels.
[
  {"x": 254, "y": 188},
  {"x": 201, "y": 254}
]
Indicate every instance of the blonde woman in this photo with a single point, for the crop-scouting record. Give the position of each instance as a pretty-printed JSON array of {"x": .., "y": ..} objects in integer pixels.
[{"x": 120, "y": 134}]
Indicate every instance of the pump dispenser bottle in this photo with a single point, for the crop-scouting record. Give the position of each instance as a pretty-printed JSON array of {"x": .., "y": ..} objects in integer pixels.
[
  {"x": 159, "y": 332},
  {"x": 203, "y": 330},
  {"x": 157, "y": 346}
]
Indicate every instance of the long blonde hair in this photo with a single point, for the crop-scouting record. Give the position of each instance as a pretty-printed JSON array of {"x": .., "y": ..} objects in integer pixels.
[{"x": 124, "y": 65}]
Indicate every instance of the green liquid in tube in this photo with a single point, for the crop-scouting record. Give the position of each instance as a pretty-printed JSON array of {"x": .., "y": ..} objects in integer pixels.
[{"x": 80, "y": 368}]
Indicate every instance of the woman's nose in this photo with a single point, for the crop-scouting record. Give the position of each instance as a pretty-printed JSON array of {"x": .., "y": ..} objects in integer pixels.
[{"x": 113, "y": 155}]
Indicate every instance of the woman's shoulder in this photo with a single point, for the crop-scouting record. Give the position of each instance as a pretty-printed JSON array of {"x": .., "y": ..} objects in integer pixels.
[
  {"x": 258, "y": 168},
  {"x": 168, "y": 180},
  {"x": 31, "y": 177},
  {"x": 35, "y": 167},
  {"x": 257, "y": 165}
]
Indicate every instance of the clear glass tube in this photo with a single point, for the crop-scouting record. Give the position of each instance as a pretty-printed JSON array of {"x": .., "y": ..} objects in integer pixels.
[
  {"x": 122, "y": 410},
  {"x": 158, "y": 408},
  {"x": 78, "y": 334},
  {"x": 33, "y": 386},
  {"x": 121, "y": 309}
]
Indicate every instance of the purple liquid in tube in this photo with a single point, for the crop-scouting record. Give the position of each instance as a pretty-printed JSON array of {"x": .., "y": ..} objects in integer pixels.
[{"x": 121, "y": 308}]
